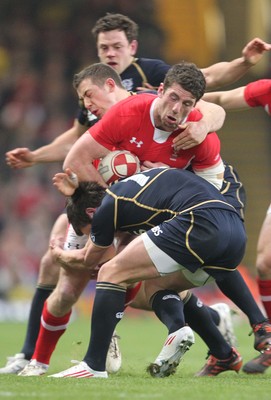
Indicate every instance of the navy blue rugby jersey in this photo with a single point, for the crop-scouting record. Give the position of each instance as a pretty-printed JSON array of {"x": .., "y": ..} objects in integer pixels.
[
  {"x": 144, "y": 200},
  {"x": 144, "y": 70}
]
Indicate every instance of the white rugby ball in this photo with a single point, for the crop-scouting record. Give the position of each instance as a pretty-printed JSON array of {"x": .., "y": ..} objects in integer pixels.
[{"x": 117, "y": 165}]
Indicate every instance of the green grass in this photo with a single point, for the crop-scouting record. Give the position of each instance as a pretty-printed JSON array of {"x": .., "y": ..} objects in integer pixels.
[{"x": 141, "y": 340}]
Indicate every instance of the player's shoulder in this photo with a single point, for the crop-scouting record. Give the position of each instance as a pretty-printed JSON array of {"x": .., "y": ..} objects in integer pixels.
[
  {"x": 152, "y": 62},
  {"x": 138, "y": 99}
]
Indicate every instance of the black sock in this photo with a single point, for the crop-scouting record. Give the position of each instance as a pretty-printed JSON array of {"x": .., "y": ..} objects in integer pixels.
[
  {"x": 235, "y": 288},
  {"x": 33, "y": 326},
  {"x": 107, "y": 311},
  {"x": 198, "y": 318},
  {"x": 168, "y": 307}
]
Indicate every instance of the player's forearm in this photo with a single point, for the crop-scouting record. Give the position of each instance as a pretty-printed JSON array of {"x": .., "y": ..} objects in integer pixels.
[
  {"x": 59, "y": 147},
  {"x": 230, "y": 100},
  {"x": 225, "y": 73},
  {"x": 80, "y": 164},
  {"x": 50, "y": 153},
  {"x": 213, "y": 116}
]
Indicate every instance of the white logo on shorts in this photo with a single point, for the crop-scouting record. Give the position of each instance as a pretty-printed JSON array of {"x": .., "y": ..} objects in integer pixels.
[
  {"x": 119, "y": 315},
  {"x": 156, "y": 230}
]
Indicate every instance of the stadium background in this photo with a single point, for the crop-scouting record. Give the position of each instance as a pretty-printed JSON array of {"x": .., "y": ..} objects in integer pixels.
[{"x": 43, "y": 43}]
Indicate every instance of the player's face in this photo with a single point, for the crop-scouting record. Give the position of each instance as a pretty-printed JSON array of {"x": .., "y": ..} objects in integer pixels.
[
  {"x": 115, "y": 50},
  {"x": 173, "y": 107},
  {"x": 96, "y": 99}
]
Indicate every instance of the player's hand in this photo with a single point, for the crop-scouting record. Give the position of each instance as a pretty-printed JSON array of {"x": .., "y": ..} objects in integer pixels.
[
  {"x": 192, "y": 135},
  {"x": 66, "y": 182},
  {"x": 66, "y": 258},
  {"x": 20, "y": 158},
  {"x": 148, "y": 165},
  {"x": 254, "y": 50}
]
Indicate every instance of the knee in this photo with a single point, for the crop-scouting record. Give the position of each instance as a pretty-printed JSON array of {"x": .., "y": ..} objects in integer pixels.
[{"x": 108, "y": 273}]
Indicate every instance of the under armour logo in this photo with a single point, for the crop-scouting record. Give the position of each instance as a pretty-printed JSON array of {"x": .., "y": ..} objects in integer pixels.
[
  {"x": 138, "y": 144},
  {"x": 156, "y": 230}
]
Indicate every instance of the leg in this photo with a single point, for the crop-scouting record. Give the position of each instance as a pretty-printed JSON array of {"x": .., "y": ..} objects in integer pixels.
[
  {"x": 196, "y": 314},
  {"x": 263, "y": 263},
  {"x": 109, "y": 304},
  {"x": 47, "y": 280},
  {"x": 55, "y": 317},
  {"x": 261, "y": 363}
]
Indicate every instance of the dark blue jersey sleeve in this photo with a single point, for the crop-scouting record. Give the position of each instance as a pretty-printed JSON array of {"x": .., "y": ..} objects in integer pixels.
[{"x": 144, "y": 70}]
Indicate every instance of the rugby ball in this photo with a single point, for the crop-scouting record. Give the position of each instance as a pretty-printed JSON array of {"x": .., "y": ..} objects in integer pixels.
[{"x": 117, "y": 165}]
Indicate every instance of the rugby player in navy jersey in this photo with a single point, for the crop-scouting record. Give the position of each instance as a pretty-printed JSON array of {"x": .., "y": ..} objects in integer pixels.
[{"x": 189, "y": 229}]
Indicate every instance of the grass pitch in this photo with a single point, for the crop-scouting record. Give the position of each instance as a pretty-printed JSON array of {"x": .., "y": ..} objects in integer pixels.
[{"x": 142, "y": 337}]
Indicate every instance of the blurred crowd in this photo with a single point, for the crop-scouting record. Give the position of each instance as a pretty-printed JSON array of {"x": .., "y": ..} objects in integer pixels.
[{"x": 42, "y": 44}]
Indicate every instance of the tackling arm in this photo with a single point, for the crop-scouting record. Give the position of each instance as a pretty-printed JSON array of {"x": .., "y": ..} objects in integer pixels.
[
  {"x": 194, "y": 133},
  {"x": 53, "y": 152}
]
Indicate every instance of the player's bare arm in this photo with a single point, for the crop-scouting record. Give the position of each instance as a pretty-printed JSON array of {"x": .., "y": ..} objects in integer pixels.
[
  {"x": 81, "y": 156},
  {"x": 225, "y": 73},
  {"x": 68, "y": 259},
  {"x": 229, "y": 99},
  {"x": 53, "y": 152}
]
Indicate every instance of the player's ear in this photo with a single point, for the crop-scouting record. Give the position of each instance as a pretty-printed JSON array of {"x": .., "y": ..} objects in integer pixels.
[
  {"x": 133, "y": 47},
  {"x": 111, "y": 84},
  {"x": 90, "y": 212},
  {"x": 160, "y": 90}
]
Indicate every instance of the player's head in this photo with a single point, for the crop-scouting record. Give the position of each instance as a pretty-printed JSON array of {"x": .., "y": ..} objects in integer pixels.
[
  {"x": 116, "y": 39},
  {"x": 82, "y": 204},
  {"x": 183, "y": 86},
  {"x": 99, "y": 87},
  {"x": 188, "y": 76}
]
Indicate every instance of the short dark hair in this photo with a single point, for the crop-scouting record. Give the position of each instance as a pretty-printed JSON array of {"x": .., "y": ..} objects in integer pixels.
[
  {"x": 119, "y": 22},
  {"x": 98, "y": 73},
  {"x": 188, "y": 76},
  {"x": 88, "y": 194}
]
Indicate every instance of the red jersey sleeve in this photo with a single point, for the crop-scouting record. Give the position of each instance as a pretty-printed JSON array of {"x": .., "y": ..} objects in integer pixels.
[
  {"x": 258, "y": 94},
  {"x": 207, "y": 154}
]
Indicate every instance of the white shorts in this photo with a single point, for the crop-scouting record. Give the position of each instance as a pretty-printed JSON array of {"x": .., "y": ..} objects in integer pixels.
[{"x": 166, "y": 265}]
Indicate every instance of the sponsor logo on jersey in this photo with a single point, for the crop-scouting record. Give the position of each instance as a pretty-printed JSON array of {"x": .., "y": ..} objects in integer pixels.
[{"x": 128, "y": 84}]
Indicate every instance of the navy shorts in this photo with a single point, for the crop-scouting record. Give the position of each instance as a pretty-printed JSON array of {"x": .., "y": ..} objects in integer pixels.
[{"x": 210, "y": 239}]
